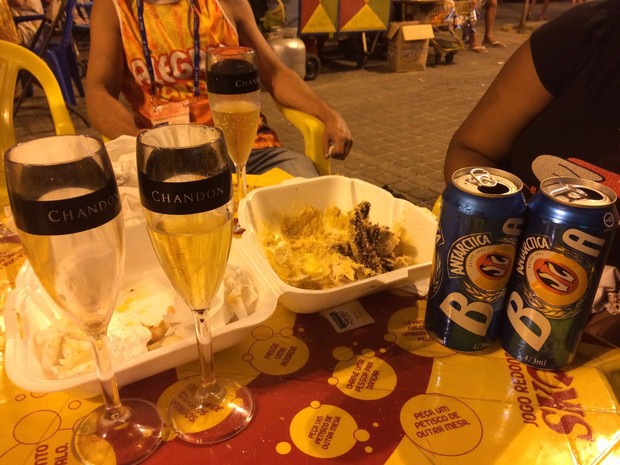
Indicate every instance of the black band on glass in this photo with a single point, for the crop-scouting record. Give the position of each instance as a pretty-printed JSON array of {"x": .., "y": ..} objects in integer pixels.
[
  {"x": 185, "y": 198},
  {"x": 68, "y": 216}
]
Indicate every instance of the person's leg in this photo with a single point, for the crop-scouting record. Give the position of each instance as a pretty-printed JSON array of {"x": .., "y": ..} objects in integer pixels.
[
  {"x": 294, "y": 163},
  {"x": 530, "y": 8},
  {"x": 490, "y": 12},
  {"x": 543, "y": 11},
  {"x": 475, "y": 37},
  {"x": 489, "y": 25}
]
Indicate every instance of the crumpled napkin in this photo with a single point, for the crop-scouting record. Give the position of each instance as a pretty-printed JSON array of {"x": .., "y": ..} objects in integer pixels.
[
  {"x": 607, "y": 297},
  {"x": 122, "y": 153}
]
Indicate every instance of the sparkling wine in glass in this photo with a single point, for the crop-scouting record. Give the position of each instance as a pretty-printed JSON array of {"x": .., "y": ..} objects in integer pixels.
[
  {"x": 67, "y": 211},
  {"x": 186, "y": 194},
  {"x": 233, "y": 88}
]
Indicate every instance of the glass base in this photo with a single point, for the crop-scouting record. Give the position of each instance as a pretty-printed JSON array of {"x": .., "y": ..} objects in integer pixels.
[
  {"x": 210, "y": 415},
  {"x": 131, "y": 438}
]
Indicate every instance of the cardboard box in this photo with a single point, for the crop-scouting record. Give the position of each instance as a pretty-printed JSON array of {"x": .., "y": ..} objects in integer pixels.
[{"x": 408, "y": 46}]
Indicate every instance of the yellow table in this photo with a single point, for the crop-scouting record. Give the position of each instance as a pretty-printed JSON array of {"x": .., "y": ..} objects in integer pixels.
[{"x": 383, "y": 393}]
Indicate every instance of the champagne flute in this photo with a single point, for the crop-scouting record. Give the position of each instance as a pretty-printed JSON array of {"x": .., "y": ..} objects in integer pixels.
[
  {"x": 186, "y": 194},
  {"x": 67, "y": 212},
  {"x": 233, "y": 87}
]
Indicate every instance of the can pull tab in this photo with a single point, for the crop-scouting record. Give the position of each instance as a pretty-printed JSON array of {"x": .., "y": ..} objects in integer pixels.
[
  {"x": 483, "y": 177},
  {"x": 570, "y": 192}
]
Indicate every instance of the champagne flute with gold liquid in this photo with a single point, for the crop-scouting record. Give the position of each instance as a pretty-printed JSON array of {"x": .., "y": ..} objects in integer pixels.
[
  {"x": 67, "y": 211},
  {"x": 186, "y": 193},
  {"x": 233, "y": 88}
]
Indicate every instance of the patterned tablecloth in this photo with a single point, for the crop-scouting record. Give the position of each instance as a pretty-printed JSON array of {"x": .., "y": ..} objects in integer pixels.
[
  {"x": 382, "y": 393},
  {"x": 363, "y": 383}
]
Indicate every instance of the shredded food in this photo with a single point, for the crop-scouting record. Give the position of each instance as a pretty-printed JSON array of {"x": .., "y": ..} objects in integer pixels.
[{"x": 321, "y": 249}]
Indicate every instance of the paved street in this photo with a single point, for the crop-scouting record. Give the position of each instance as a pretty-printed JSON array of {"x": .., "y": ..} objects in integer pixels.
[{"x": 401, "y": 122}]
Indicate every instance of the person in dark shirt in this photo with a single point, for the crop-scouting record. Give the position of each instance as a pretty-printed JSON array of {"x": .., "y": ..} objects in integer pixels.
[{"x": 554, "y": 108}]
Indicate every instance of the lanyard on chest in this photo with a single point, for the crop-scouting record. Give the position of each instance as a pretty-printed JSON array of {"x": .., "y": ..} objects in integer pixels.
[{"x": 147, "y": 52}]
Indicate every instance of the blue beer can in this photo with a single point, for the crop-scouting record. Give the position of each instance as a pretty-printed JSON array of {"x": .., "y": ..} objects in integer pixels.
[
  {"x": 481, "y": 218},
  {"x": 566, "y": 239}
]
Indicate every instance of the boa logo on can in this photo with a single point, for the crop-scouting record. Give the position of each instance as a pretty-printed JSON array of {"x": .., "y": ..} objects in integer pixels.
[
  {"x": 494, "y": 266},
  {"x": 489, "y": 267},
  {"x": 555, "y": 278}
]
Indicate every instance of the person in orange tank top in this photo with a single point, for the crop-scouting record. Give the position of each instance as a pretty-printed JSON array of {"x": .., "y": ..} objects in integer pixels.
[{"x": 176, "y": 32}]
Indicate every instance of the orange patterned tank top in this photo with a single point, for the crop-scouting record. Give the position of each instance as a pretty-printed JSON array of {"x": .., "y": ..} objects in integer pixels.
[{"x": 170, "y": 35}]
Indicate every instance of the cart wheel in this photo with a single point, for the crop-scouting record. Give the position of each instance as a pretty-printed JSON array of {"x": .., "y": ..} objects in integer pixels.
[
  {"x": 313, "y": 66},
  {"x": 81, "y": 66},
  {"x": 450, "y": 57},
  {"x": 438, "y": 57}
]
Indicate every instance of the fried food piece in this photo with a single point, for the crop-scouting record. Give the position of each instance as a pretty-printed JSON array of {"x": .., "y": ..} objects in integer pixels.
[{"x": 362, "y": 248}]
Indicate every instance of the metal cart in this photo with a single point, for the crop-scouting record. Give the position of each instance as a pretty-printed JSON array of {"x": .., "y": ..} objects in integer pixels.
[
  {"x": 448, "y": 18},
  {"x": 317, "y": 21},
  {"x": 448, "y": 22},
  {"x": 342, "y": 19}
]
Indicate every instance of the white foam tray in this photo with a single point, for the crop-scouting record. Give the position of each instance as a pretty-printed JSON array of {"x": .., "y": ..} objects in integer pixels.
[
  {"x": 29, "y": 309},
  {"x": 268, "y": 204}
]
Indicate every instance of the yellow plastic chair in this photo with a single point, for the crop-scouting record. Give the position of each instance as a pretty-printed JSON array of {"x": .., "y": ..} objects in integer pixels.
[
  {"x": 312, "y": 130},
  {"x": 14, "y": 58},
  {"x": 437, "y": 207}
]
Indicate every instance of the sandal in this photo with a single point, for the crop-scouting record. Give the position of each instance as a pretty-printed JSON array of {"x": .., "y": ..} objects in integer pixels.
[
  {"x": 479, "y": 49},
  {"x": 494, "y": 44}
]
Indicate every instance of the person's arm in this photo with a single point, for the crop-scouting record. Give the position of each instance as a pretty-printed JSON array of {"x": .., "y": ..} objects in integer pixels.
[
  {"x": 104, "y": 75},
  {"x": 514, "y": 99},
  {"x": 284, "y": 85},
  {"x": 17, "y": 3}
]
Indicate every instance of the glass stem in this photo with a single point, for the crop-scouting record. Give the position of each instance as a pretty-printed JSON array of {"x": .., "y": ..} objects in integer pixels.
[
  {"x": 242, "y": 183},
  {"x": 107, "y": 380},
  {"x": 205, "y": 348}
]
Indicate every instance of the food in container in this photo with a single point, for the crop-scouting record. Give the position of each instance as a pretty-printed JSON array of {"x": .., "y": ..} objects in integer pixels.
[
  {"x": 325, "y": 248},
  {"x": 30, "y": 311},
  {"x": 416, "y": 228}
]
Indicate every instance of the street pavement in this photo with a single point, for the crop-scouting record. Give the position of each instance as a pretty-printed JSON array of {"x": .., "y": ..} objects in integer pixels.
[{"x": 401, "y": 122}]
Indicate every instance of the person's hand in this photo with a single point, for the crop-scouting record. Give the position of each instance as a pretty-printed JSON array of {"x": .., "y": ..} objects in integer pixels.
[{"x": 337, "y": 139}]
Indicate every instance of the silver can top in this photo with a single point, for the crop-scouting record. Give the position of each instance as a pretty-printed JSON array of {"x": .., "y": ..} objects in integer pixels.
[
  {"x": 486, "y": 182},
  {"x": 578, "y": 192}
]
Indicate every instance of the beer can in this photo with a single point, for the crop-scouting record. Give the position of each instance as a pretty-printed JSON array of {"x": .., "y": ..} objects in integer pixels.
[
  {"x": 566, "y": 239},
  {"x": 481, "y": 218}
]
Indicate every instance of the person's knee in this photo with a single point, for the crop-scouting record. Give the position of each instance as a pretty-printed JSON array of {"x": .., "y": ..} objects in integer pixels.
[
  {"x": 294, "y": 163},
  {"x": 300, "y": 166}
]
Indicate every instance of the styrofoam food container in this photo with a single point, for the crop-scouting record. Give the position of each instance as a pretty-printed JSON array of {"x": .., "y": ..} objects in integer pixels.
[
  {"x": 29, "y": 309},
  {"x": 267, "y": 205}
]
